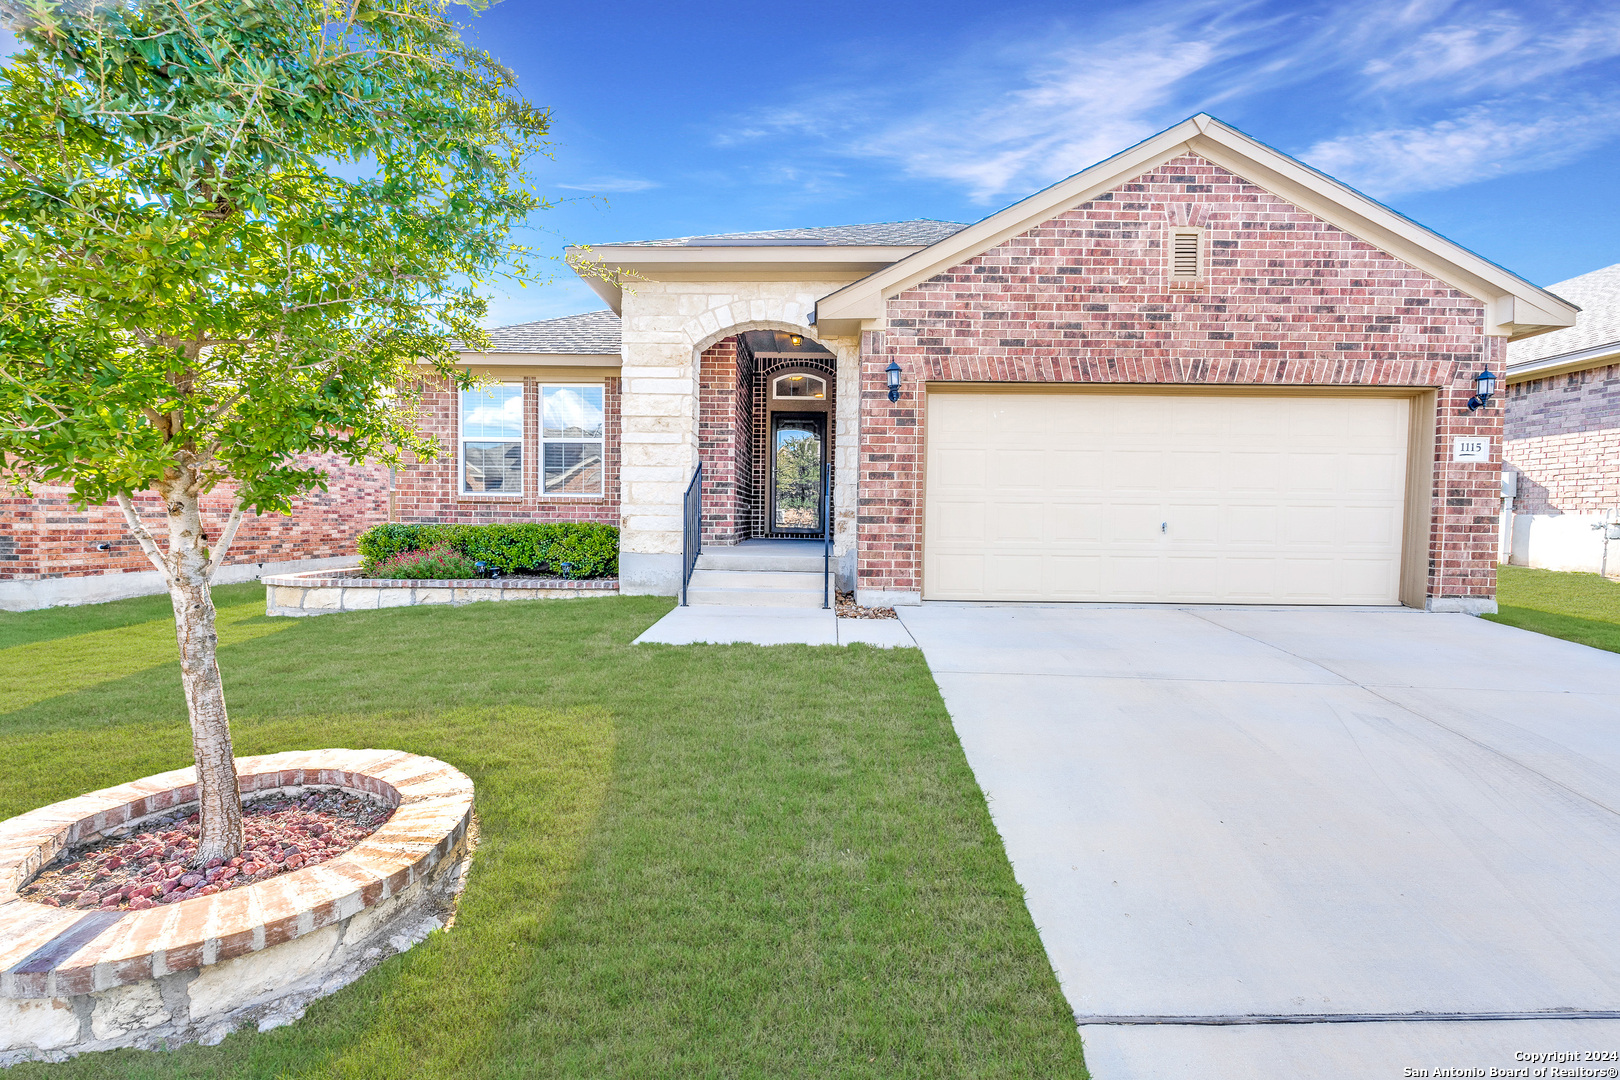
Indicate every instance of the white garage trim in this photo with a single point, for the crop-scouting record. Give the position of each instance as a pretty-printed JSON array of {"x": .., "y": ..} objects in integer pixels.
[{"x": 1176, "y": 494}]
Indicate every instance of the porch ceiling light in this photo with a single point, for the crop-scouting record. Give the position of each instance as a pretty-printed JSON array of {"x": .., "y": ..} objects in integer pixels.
[
  {"x": 1484, "y": 388},
  {"x": 893, "y": 371}
]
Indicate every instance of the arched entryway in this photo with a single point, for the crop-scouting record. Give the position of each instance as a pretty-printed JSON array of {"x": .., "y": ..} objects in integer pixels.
[{"x": 767, "y": 400}]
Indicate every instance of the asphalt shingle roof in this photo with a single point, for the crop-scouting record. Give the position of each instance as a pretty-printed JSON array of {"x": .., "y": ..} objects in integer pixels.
[
  {"x": 594, "y": 333},
  {"x": 917, "y": 233},
  {"x": 1598, "y": 296}
]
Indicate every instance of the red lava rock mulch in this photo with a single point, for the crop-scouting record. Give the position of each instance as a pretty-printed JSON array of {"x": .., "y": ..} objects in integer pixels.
[
  {"x": 849, "y": 609},
  {"x": 149, "y": 868}
]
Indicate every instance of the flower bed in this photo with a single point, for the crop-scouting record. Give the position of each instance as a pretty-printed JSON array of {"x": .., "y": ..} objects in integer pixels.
[{"x": 76, "y": 980}]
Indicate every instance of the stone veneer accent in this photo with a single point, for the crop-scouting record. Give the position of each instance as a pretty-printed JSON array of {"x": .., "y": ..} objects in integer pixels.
[
  {"x": 1286, "y": 300},
  {"x": 1563, "y": 438},
  {"x": 73, "y": 981},
  {"x": 667, "y": 326},
  {"x": 322, "y": 592}
]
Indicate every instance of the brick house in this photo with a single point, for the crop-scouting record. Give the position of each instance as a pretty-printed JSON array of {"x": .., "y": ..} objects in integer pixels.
[
  {"x": 1199, "y": 371},
  {"x": 1563, "y": 434}
]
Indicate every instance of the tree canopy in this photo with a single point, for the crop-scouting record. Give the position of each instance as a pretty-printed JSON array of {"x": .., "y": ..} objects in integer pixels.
[{"x": 232, "y": 233}]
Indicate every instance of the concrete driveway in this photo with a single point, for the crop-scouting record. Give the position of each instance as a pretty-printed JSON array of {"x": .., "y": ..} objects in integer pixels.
[{"x": 1302, "y": 842}]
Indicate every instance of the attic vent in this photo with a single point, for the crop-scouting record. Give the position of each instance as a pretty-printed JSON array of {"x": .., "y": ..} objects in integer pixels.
[{"x": 1186, "y": 255}]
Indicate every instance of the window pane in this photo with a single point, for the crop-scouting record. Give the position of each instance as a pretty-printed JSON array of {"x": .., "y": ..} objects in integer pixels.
[
  {"x": 572, "y": 412},
  {"x": 800, "y": 386},
  {"x": 492, "y": 412},
  {"x": 573, "y": 468},
  {"x": 493, "y": 466}
]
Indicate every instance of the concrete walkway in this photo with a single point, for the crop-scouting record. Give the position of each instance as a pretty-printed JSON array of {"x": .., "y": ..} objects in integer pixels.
[
  {"x": 1297, "y": 835},
  {"x": 737, "y": 625}
]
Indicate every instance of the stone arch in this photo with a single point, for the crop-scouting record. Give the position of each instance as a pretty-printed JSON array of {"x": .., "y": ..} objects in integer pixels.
[{"x": 787, "y": 327}]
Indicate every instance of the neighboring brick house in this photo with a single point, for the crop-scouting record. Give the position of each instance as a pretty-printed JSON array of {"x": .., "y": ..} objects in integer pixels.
[
  {"x": 1197, "y": 371},
  {"x": 1563, "y": 434},
  {"x": 52, "y": 553}
]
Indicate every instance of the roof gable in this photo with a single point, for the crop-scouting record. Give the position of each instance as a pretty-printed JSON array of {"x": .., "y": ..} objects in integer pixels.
[{"x": 1516, "y": 308}]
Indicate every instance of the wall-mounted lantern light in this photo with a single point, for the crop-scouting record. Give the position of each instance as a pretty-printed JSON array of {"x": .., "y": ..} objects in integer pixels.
[
  {"x": 894, "y": 380},
  {"x": 796, "y": 340},
  {"x": 1484, "y": 388}
]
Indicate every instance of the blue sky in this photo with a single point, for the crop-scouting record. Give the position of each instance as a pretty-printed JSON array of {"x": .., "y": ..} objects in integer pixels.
[{"x": 1497, "y": 124}]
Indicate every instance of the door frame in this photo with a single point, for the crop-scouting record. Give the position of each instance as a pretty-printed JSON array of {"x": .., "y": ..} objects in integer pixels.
[{"x": 820, "y": 419}]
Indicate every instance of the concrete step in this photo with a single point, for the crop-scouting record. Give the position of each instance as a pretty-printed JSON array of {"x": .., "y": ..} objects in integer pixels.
[
  {"x": 781, "y": 556},
  {"x": 755, "y": 588}
]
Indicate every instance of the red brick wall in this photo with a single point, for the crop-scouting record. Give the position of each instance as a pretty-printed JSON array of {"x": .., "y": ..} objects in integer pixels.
[
  {"x": 1563, "y": 437},
  {"x": 1287, "y": 299},
  {"x": 45, "y": 537},
  {"x": 718, "y": 404},
  {"x": 429, "y": 492}
]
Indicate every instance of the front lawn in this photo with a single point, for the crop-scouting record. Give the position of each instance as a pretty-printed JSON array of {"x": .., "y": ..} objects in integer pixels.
[
  {"x": 701, "y": 861},
  {"x": 1575, "y": 607}
]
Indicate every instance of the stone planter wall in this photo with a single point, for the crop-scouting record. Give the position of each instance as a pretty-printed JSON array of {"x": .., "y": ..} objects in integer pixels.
[
  {"x": 321, "y": 592},
  {"x": 77, "y": 980}
]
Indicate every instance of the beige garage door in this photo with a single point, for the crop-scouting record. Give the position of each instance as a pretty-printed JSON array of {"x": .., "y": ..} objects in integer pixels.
[{"x": 1159, "y": 497}]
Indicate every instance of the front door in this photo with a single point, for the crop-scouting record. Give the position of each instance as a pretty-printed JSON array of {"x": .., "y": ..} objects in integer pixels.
[{"x": 797, "y": 452}]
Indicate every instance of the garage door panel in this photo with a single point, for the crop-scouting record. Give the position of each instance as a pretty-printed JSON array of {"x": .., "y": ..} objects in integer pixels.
[
  {"x": 1017, "y": 522},
  {"x": 1264, "y": 500}
]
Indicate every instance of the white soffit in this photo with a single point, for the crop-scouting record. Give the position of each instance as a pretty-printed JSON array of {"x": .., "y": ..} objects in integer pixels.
[
  {"x": 608, "y": 269},
  {"x": 1514, "y": 307}
]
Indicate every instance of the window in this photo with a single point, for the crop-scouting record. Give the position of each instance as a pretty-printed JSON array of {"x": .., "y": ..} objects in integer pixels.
[
  {"x": 492, "y": 440},
  {"x": 571, "y": 451},
  {"x": 799, "y": 386},
  {"x": 1186, "y": 255}
]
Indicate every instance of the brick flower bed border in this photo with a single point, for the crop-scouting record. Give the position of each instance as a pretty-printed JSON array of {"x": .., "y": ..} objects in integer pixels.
[
  {"x": 321, "y": 592},
  {"x": 55, "y": 957}
]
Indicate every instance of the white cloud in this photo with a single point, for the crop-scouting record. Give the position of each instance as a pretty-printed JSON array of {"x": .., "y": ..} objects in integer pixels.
[
  {"x": 1469, "y": 49},
  {"x": 1497, "y": 138},
  {"x": 1083, "y": 104},
  {"x": 611, "y": 185}
]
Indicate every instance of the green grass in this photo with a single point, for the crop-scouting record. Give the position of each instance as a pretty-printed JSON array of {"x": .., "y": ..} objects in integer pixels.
[
  {"x": 1576, "y": 607},
  {"x": 704, "y": 861}
]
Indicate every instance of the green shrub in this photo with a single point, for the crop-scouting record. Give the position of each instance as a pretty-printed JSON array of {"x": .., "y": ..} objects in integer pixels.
[
  {"x": 589, "y": 549},
  {"x": 435, "y": 562}
]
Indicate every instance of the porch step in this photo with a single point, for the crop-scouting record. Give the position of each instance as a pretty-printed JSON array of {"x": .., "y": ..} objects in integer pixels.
[
  {"x": 777, "y": 555},
  {"x": 755, "y": 588}
]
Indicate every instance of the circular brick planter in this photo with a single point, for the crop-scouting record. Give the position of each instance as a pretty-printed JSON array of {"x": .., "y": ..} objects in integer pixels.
[{"x": 76, "y": 980}]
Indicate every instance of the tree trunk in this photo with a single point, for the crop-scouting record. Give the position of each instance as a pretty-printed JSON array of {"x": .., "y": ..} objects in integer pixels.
[{"x": 219, "y": 797}]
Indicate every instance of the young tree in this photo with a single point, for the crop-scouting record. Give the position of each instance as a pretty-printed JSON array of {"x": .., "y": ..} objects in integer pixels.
[{"x": 234, "y": 234}]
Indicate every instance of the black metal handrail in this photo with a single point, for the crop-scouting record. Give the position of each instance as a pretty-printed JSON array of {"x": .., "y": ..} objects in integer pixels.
[
  {"x": 826, "y": 532},
  {"x": 691, "y": 529}
]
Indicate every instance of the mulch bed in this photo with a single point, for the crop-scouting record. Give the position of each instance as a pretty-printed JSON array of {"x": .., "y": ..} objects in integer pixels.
[
  {"x": 849, "y": 609},
  {"x": 150, "y": 867}
]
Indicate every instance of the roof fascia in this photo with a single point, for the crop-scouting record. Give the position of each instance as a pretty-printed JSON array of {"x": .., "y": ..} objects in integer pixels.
[
  {"x": 512, "y": 356},
  {"x": 1515, "y": 308},
  {"x": 1597, "y": 356}
]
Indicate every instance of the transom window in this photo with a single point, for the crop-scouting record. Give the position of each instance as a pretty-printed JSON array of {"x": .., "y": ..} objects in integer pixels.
[
  {"x": 492, "y": 439},
  {"x": 571, "y": 438},
  {"x": 799, "y": 385}
]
